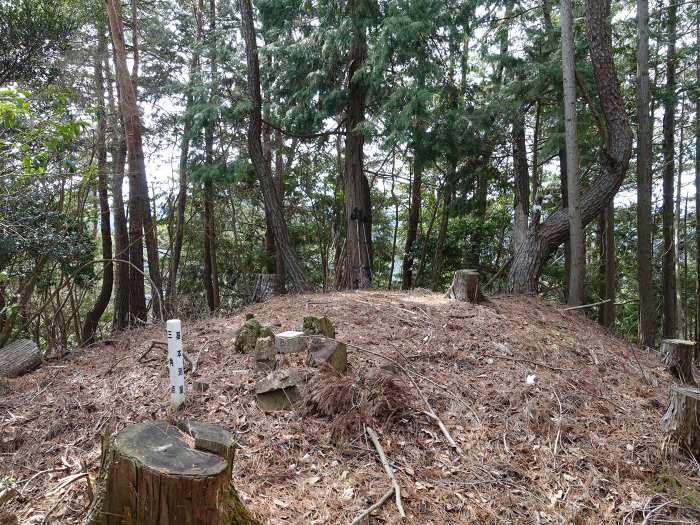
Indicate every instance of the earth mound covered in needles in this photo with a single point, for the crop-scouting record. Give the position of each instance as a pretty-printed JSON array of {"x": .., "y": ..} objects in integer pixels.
[{"x": 555, "y": 420}]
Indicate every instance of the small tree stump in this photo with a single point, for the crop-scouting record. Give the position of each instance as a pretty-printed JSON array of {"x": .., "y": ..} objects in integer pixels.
[
  {"x": 465, "y": 286},
  {"x": 19, "y": 357},
  {"x": 153, "y": 473},
  {"x": 682, "y": 417},
  {"x": 678, "y": 359}
]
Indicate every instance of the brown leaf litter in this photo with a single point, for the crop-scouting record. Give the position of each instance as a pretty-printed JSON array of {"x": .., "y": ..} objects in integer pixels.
[{"x": 557, "y": 420}]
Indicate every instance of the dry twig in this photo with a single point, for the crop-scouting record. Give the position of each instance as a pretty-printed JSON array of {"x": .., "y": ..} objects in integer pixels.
[
  {"x": 374, "y": 507},
  {"x": 387, "y": 468}
]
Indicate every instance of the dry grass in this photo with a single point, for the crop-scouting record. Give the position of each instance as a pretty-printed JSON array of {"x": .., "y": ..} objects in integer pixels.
[{"x": 580, "y": 445}]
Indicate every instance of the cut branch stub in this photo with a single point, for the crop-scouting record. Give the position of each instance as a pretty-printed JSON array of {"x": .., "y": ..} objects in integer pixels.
[
  {"x": 154, "y": 473},
  {"x": 682, "y": 417},
  {"x": 465, "y": 286},
  {"x": 678, "y": 359}
]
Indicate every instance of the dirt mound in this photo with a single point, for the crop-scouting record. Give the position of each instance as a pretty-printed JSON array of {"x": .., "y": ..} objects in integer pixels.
[{"x": 557, "y": 420}]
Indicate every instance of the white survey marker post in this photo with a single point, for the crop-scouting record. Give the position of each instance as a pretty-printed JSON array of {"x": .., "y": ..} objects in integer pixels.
[{"x": 176, "y": 363}]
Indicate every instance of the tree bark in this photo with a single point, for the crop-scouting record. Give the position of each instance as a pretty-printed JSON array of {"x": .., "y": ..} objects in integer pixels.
[
  {"x": 211, "y": 274},
  {"x": 647, "y": 297},
  {"x": 92, "y": 318},
  {"x": 185, "y": 141},
  {"x": 606, "y": 314},
  {"x": 270, "y": 192},
  {"x": 140, "y": 219},
  {"x": 521, "y": 203},
  {"x": 697, "y": 187},
  {"x": 413, "y": 220},
  {"x": 678, "y": 359},
  {"x": 191, "y": 483},
  {"x": 358, "y": 209},
  {"x": 576, "y": 235},
  {"x": 670, "y": 322},
  {"x": 438, "y": 257},
  {"x": 542, "y": 241}
]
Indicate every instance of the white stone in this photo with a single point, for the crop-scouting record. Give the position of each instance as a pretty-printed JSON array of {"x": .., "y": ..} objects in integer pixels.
[{"x": 290, "y": 342}]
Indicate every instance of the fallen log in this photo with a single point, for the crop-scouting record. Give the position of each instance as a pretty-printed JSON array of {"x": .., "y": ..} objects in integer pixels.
[{"x": 19, "y": 357}]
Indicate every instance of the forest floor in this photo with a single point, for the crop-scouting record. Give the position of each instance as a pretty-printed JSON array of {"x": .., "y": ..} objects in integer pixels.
[{"x": 577, "y": 443}]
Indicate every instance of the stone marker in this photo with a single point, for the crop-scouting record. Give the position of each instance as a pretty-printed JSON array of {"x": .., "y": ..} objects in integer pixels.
[
  {"x": 328, "y": 351},
  {"x": 318, "y": 326},
  {"x": 265, "y": 354},
  {"x": 19, "y": 357},
  {"x": 278, "y": 390},
  {"x": 291, "y": 342}
]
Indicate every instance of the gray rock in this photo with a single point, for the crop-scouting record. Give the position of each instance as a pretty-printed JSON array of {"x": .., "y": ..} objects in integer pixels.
[
  {"x": 291, "y": 342},
  {"x": 318, "y": 326},
  {"x": 278, "y": 390},
  {"x": 329, "y": 352},
  {"x": 265, "y": 354}
]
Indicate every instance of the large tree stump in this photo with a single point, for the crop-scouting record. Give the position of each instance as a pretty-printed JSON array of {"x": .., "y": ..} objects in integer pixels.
[
  {"x": 153, "y": 473},
  {"x": 19, "y": 358},
  {"x": 465, "y": 286},
  {"x": 678, "y": 359},
  {"x": 682, "y": 417}
]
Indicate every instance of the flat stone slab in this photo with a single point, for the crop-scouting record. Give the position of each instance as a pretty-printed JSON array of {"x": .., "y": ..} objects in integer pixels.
[{"x": 290, "y": 342}]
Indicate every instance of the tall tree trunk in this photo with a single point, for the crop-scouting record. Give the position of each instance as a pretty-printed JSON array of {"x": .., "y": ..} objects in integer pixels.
[
  {"x": 647, "y": 297},
  {"x": 535, "y": 185},
  {"x": 194, "y": 81},
  {"x": 542, "y": 241},
  {"x": 395, "y": 200},
  {"x": 606, "y": 313},
  {"x": 92, "y": 318},
  {"x": 358, "y": 273},
  {"x": 413, "y": 220},
  {"x": 680, "y": 318},
  {"x": 670, "y": 323},
  {"x": 121, "y": 233},
  {"x": 270, "y": 192},
  {"x": 139, "y": 210},
  {"x": 576, "y": 235},
  {"x": 211, "y": 274},
  {"x": 697, "y": 183},
  {"x": 438, "y": 257},
  {"x": 521, "y": 203},
  {"x": 280, "y": 172}
]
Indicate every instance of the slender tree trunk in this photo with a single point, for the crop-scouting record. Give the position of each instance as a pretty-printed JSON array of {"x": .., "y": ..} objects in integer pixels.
[
  {"x": 697, "y": 183},
  {"x": 535, "y": 155},
  {"x": 92, "y": 318},
  {"x": 121, "y": 233},
  {"x": 428, "y": 234},
  {"x": 395, "y": 200},
  {"x": 670, "y": 324},
  {"x": 270, "y": 192},
  {"x": 412, "y": 226},
  {"x": 139, "y": 210},
  {"x": 576, "y": 235},
  {"x": 680, "y": 318},
  {"x": 194, "y": 81},
  {"x": 606, "y": 236},
  {"x": 358, "y": 208},
  {"x": 521, "y": 202},
  {"x": 280, "y": 171},
  {"x": 438, "y": 257},
  {"x": 647, "y": 296},
  {"x": 542, "y": 241}
]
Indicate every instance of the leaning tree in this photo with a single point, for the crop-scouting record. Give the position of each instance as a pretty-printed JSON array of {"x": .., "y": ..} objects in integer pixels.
[{"x": 543, "y": 239}]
